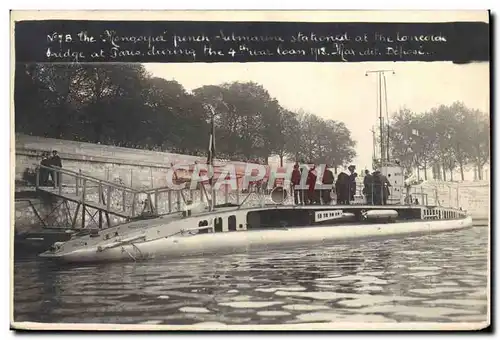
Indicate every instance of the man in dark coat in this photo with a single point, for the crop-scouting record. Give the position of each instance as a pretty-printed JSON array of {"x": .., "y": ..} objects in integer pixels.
[
  {"x": 302, "y": 191},
  {"x": 385, "y": 185},
  {"x": 328, "y": 179},
  {"x": 44, "y": 172},
  {"x": 377, "y": 192},
  {"x": 296, "y": 175},
  {"x": 55, "y": 161},
  {"x": 342, "y": 188},
  {"x": 352, "y": 182},
  {"x": 311, "y": 183},
  {"x": 368, "y": 187}
]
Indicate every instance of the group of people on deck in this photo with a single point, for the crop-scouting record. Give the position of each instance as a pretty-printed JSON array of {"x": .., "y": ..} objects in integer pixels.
[
  {"x": 375, "y": 186},
  {"x": 49, "y": 162}
]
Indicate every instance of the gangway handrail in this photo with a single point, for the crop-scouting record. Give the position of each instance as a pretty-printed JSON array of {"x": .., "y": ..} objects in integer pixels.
[
  {"x": 107, "y": 182},
  {"x": 90, "y": 178}
]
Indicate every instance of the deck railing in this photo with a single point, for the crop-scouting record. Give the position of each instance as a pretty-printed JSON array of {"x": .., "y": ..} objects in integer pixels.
[
  {"x": 131, "y": 202},
  {"x": 111, "y": 197}
]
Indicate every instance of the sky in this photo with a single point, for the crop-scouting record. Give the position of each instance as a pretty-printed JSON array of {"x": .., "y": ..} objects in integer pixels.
[{"x": 342, "y": 92}]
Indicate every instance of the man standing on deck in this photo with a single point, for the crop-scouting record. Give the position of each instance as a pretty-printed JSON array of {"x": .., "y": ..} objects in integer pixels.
[
  {"x": 55, "y": 161},
  {"x": 368, "y": 187},
  {"x": 378, "y": 188},
  {"x": 352, "y": 182},
  {"x": 311, "y": 183},
  {"x": 296, "y": 175},
  {"x": 328, "y": 179},
  {"x": 302, "y": 191},
  {"x": 385, "y": 186}
]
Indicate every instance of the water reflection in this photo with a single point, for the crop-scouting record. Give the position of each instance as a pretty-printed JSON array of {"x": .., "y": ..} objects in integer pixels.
[{"x": 431, "y": 278}]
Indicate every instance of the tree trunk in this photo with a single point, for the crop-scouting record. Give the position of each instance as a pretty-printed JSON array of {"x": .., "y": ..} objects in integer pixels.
[
  {"x": 425, "y": 171},
  {"x": 479, "y": 171},
  {"x": 418, "y": 173},
  {"x": 444, "y": 173},
  {"x": 335, "y": 167},
  {"x": 462, "y": 171},
  {"x": 281, "y": 160},
  {"x": 451, "y": 175}
]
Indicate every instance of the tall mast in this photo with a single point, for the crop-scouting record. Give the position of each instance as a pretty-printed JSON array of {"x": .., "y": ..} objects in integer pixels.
[
  {"x": 381, "y": 119},
  {"x": 384, "y": 154},
  {"x": 374, "y": 142},
  {"x": 211, "y": 155},
  {"x": 387, "y": 119}
]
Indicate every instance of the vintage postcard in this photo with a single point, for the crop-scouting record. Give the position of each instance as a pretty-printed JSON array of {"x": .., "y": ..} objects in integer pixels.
[{"x": 250, "y": 170}]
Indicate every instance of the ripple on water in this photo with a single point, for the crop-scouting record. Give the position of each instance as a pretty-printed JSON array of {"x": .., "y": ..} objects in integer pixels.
[
  {"x": 421, "y": 274},
  {"x": 250, "y": 304},
  {"x": 239, "y": 298},
  {"x": 394, "y": 281},
  {"x": 272, "y": 290},
  {"x": 369, "y": 289},
  {"x": 440, "y": 290},
  {"x": 457, "y": 302},
  {"x": 194, "y": 310},
  {"x": 299, "y": 307},
  {"x": 313, "y": 295},
  {"x": 272, "y": 313},
  {"x": 471, "y": 281},
  {"x": 340, "y": 278},
  {"x": 332, "y": 316},
  {"x": 151, "y": 322},
  {"x": 447, "y": 283},
  {"x": 481, "y": 294},
  {"x": 376, "y": 273},
  {"x": 424, "y": 268},
  {"x": 357, "y": 300},
  {"x": 425, "y": 312}
]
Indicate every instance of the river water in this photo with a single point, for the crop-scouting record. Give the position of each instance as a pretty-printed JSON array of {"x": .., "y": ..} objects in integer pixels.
[{"x": 432, "y": 278}]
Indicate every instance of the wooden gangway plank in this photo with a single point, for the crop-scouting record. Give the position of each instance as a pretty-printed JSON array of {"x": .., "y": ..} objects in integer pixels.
[
  {"x": 90, "y": 204},
  {"x": 77, "y": 187}
]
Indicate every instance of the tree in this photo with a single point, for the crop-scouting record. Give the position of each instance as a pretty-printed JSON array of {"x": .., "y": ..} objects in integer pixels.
[
  {"x": 444, "y": 137},
  {"x": 404, "y": 138},
  {"x": 287, "y": 136},
  {"x": 121, "y": 104},
  {"x": 323, "y": 141},
  {"x": 480, "y": 141},
  {"x": 247, "y": 119}
]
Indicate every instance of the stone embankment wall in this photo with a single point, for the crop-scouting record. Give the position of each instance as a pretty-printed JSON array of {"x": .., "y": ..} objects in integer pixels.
[
  {"x": 471, "y": 196},
  {"x": 131, "y": 167}
]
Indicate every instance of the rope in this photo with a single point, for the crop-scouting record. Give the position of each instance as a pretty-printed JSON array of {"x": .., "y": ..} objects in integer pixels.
[
  {"x": 140, "y": 252},
  {"x": 131, "y": 256}
]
